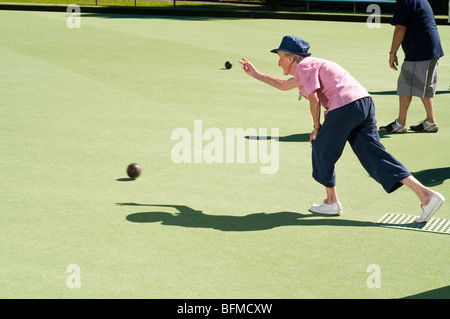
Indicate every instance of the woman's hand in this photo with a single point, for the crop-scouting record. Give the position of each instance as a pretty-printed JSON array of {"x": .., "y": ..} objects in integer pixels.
[
  {"x": 314, "y": 105},
  {"x": 313, "y": 136},
  {"x": 248, "y": 67}
]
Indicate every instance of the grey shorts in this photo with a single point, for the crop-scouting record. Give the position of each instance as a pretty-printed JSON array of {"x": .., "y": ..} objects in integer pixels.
[{"x": 418, "y": 78}]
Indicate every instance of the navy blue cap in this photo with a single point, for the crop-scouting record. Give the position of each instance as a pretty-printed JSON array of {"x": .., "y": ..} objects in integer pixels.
[{"x": 294, "y": 45}]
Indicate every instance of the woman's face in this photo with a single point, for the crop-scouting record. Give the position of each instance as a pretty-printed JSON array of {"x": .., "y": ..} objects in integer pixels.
[{"x": 286, "y": 63}]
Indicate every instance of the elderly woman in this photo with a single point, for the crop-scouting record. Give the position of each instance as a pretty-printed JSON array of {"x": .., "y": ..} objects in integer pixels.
[{"x": 349, "y": 116}]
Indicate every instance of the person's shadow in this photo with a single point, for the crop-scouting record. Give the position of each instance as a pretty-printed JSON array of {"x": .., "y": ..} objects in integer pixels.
[
  {"x": 433, "y": 177},
  {"x": 301, "y": 137},
  {"x": 188, "y": 217}
]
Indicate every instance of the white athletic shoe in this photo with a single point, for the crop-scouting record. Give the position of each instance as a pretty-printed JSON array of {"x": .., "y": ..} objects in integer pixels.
[
  {"x": 430, "y": 208},
  {"x": 327, "y": 209}
]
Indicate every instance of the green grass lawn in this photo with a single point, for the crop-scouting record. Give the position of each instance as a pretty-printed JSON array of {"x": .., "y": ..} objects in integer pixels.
[{"x": 78, "y": 105}]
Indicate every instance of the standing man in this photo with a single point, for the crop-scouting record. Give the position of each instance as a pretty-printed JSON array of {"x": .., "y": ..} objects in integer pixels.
[
  {"x": 416, "y": 31},
  {"x": 349, "y": 116}
]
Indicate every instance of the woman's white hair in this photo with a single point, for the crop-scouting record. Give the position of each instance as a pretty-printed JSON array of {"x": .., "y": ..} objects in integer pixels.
[{"x": 297, "y": 58}]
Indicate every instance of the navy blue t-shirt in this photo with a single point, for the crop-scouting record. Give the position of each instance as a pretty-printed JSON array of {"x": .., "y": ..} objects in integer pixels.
[{"x": 421, "y": 40}]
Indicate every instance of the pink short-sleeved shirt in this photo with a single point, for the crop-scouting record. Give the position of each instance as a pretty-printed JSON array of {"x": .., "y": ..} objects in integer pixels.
[{"x": 334, "y": 85}]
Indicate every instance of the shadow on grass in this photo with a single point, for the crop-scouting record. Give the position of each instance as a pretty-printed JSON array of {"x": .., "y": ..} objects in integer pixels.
[
  {"x": 389, "y": 135},
  {"x": 395, "y": 92},
  {"x": 188, "y": 217},
  {"x": 125, "y": 179},
  {"x": 185, "y": 12},
  {"x": 433, "y": 176},
  {"x": 301, "y": 137},
  {"x": 439, "y": 293},
  {"x": 146, "y": 13},
  {"x": 304, "y": 137}
]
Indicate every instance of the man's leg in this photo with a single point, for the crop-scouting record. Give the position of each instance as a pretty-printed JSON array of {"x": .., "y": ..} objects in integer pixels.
[
  {"x": 429, "y": 108},
  {"x": 404, "y": 103}
]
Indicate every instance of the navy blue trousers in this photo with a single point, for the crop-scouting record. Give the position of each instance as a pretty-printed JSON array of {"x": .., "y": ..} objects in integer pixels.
[{"x": 355, "y": 123}]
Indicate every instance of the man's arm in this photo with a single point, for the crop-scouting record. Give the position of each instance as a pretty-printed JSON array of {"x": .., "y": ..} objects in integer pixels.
[{"x": 397, "y": 39}]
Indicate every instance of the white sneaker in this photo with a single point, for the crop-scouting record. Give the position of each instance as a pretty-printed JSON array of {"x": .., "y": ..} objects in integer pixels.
[
  {"x": 327, "y": 209},
  {"x": 430, "y": 208}
]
